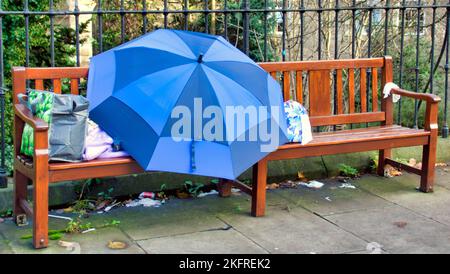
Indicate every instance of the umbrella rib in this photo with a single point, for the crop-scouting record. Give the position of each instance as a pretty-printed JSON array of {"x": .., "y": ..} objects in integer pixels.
[{"x": 235, "y": 83}]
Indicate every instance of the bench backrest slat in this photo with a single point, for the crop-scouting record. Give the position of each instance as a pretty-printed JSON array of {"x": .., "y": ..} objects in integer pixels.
[
  {"x": 47, "y": 78},
  {"x": 335, "y": 91}
]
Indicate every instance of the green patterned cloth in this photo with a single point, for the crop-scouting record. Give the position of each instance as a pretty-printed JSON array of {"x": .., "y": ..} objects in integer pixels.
[{"x": 42, "y": 103}]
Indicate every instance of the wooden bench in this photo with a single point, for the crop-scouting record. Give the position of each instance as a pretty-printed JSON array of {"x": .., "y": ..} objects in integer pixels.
[{"x": 309, "y": 81}]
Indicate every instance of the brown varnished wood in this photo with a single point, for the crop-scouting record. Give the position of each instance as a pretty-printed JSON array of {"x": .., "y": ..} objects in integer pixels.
[
  {"x": 351, "y": 90},
  {"x": 286, "y": 85},
  {"x": 387, "y": 107},
  {"x": 401, "y": 166},
  {"x": 74, "y": 86},
  {"x": 362, "y": 89},
  {"x": 224, "y": 187},
  {"x": 39, "y": 84},
  {"x": 57, "y": 86},
  {"x": 319, "y": 93},
  {"x": 374, "y": 89},
  {"x": 323, "y": 64},
  {"x": 299, "y": 87},
  {"x": 339, "y": 92},
  {"x": 259, "y": 188},
  {"x": 353, "y": 118}
]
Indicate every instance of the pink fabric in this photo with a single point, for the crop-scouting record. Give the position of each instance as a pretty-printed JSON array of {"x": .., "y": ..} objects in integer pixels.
[{"x": 98, "y": 144}]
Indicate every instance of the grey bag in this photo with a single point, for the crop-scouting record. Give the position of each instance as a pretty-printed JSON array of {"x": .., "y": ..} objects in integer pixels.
[{"x": 67, "y": 117}]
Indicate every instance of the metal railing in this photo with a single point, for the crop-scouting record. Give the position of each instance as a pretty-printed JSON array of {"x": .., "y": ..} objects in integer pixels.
[{"x": 317, "y": 24}]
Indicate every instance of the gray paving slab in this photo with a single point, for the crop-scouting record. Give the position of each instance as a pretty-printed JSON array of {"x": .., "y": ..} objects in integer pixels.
[
  {"x": 294, "y": 231},
  {"x": 206, "y": 242},
  {"x": 400, "y": 190},
  {"x": 397, "y": 229},
  {"x": 332, "y": 198}
]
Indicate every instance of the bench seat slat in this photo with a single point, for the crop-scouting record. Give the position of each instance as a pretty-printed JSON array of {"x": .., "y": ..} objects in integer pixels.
[{"x": 360, "y": 135}]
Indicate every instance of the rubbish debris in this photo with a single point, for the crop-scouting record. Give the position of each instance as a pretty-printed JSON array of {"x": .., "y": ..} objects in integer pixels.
[
  {"x": 374, "y": 248},
  {"x": 108, "y": 208},
  {"x": 235, "y": 190},
  {"x": 272, "y": 186},
  {"x": 347, "y": 185},
  {"x": 390, "y": 171},
  {"x": 117, "y": 245},
  {"x": 400, "y": 224},
  {"x": 60, "y": 217},
  {"x": 288, "y": 184},
  {"x": 88, "y": 230},
  {"x": 150, "y": 195},
  {"x": 2, "y": 220},
  {"x": 328, "y": 199},
  {"x": 312, "y": 184},
  {"x": 204, "y": 194},
  {"x": 146, "y": 202},
  {"x": 74, "y": 247}
]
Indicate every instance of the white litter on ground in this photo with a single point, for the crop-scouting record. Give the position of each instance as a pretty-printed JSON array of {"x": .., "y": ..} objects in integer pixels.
[
  {"x": 146, "y": 202},
  {"x": 312, "y": 184},
  {"x": 204, "y": 194},
  {"x": 328, "y": 199},
  {"x": 374, "y": 248},
  {"x": 347, "y": 185}
]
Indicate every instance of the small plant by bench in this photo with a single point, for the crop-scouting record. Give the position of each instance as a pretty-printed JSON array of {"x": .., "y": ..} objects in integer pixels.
[{"x": 313, "y": 76}]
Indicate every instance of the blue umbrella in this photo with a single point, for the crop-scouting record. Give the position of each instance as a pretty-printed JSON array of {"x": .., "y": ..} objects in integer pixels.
[{"x": 187, "y": 102}]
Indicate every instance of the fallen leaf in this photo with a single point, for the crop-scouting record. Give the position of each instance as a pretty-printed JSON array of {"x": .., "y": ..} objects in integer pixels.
[
  {"x": 181, "y": 195},
  {"x": 301, "y": 176},
  {"x": 68, "y": 210},
  {"x": 273, "y": 186},
  {"x": 390, "y": 171},
  {"x": 400, "y": 224},
  {"x": 117, "y": 245},
  {"x": 440, "y": 164},
  {"x": 419, "y": 165}
]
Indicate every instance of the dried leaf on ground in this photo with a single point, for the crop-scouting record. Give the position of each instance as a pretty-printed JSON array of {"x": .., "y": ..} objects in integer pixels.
[
  {"x": 400, "y": 224},
  {"x": 441, "y": 164},
  {"x": 117, "y": 245},
  {"x": 273, "y": 186},
  {"x": 301, "y": 176},
  {"x": 182, "y": 195},
  {"x": 390, "y": 171},
  {"x": 68, "y": 210}
]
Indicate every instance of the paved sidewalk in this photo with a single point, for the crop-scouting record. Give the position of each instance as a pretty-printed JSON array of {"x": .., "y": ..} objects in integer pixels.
[{"x": 379, "y": 212}]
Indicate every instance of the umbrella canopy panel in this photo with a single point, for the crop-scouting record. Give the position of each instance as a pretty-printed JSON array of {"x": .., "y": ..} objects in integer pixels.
[{"x": 141, "y": 91}]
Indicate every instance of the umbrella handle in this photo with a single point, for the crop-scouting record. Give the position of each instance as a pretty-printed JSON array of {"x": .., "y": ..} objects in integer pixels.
[{"x": 193, "y": 167}]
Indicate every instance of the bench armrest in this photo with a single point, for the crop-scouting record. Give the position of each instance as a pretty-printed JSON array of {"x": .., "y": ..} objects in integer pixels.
[
  {"x": 429, "y": 98},
  {"x": 25, "y": 115}
]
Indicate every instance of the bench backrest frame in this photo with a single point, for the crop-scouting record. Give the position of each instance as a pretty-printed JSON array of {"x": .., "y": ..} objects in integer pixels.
[{"x": 319, "y": 86}]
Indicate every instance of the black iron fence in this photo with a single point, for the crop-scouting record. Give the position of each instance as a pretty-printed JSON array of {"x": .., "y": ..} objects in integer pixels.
[{"x": 414, "y": 32}]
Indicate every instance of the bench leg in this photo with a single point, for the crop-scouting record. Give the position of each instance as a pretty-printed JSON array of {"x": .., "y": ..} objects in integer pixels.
[
  {"x": 224, "y": 188},
  {"x": 20, "y": 193},
  {"x": 383, "y": 154},
  {"x": 428, "y": 166},
  {"x": 259, "y": 188},
  {"x": 40, "y": 210}
]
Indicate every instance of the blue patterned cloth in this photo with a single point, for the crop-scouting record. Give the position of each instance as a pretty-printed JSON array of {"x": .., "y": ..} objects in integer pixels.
[{"x": 297, "y": 117}]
